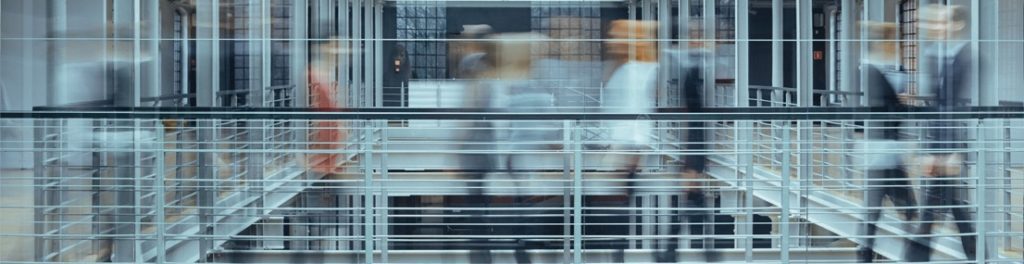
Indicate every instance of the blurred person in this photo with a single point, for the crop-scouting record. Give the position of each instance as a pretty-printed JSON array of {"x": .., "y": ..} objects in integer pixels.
[
  {"x": 477, "y": 137},
  {"x": 512, "y": 75},
  {"x": 687, "y": 74},
  {"x": 945, "y": 74},
  {"x": 885, "y": 174},
  {"x": 631, "y": 87},
  {"x": 472, "y": 51},
  {"x": 326, "y": 135},
  {"x": 631, "y": 90}
]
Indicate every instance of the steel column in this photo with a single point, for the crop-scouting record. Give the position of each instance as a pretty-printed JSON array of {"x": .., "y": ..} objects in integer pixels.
[
  {"x": 846, "y": 47},
  {"x": 744, "y": 132},
  {"x": 711, "y": 56},
  {"x": 577, "y": 194}
]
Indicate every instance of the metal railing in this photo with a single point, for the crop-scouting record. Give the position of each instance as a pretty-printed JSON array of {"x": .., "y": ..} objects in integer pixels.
[{"x": 122, "y": 186}]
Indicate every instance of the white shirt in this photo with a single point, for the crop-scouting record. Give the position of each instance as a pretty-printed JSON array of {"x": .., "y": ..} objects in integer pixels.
[{"x": 631, "y": 90}]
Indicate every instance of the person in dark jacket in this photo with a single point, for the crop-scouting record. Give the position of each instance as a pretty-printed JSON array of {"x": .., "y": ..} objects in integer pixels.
[
  {"x": 686, "y": 74},
  {"x": 885, "y": 174},
  {"x": 945, "y": 74}
]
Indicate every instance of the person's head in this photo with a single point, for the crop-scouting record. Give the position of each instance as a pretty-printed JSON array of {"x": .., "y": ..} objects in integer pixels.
[
  {"x": 632, "y": 36},
  {"x": 882, "y": 37},
  {"x": 474, "y": 35},
  {"x": 512, "y": 54},
  {"x": 942, "y": 22}
]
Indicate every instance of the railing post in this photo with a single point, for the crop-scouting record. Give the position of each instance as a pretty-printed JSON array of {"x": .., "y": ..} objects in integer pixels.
[
  {"x": 385, "y": 223},
  {"x": 567, "y": 168},
  {"x": 158, "y": 187},
  {"x": 577, "y": 198},
  {"x": 784, "y": 215},
  {"x": 981, "y": 193},
  {"x": 206, "y": 189},
  {"x": 367, "y": 148}
]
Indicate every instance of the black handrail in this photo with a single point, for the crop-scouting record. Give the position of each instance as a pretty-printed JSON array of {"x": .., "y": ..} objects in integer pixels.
[{"x": 709, "y": 114}]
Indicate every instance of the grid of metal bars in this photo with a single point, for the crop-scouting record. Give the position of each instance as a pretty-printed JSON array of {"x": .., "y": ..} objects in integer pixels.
[
  {"x": 366, "y": 205},
  {"x": 419, "y": 25}
]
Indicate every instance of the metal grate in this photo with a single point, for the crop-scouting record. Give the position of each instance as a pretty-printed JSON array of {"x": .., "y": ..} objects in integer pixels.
[{"x": 909, "y": 49}]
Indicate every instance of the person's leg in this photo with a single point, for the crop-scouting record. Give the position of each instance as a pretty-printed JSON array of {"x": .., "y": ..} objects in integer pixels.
[
  {"x": 962, "y": 216},
  {"x": 919, "y": 249},
  {"x": 898, "y": 189},
  {"x": 632, "y": 164},
  {"x": 874, "y": 201},
  {"x": 478, "y": 165},
  {"x": 521, "y": 205}
]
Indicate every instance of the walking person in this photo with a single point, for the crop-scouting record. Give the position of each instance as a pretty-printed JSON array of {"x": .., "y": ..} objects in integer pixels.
[
  {"x": 686, "y": 74},
  {"x": 631, "y": 90},
  {"x": 945, "y": 75},
  {"x": 885, "y": 174}
]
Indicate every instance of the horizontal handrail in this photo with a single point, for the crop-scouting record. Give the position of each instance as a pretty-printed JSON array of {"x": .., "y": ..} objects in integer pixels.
[{"x": 732, "y": 113}]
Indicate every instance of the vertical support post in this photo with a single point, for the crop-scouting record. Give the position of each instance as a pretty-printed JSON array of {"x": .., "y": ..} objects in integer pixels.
[
  {"x": 378, "y": 53},
  {"x": 128, "y": 246},
  {"x": 58, "y": 15},
  {"x": 711, "y": 56},
  {"x": 207, "y": 52},
  {"x": 664, "y": 37},
  {"x": 784, "y": 216},
  {"x": 743, "y": 128},
  {"x": 683, "y": 22},
  {"x": 368, "y": 222},
  {"x": 368, "y": 68},
  {"x": 158, "y": 187},
  {"x": 384, "y": 230},
  {"x": 981, "y": 193},
  {"x": 848, "y": 68},
  {"x": 299, "y": 50},
  {"x": 805, "y": 95},
  {"x": 567, "y": 168},
  {"x": 872, "y": 11},
  {"x": 261, "y": 128},
  {"x": 985, "y": 27},
  {"x": 577, "y": 196},
  {"x": 345, "y": 25},
  {"x": 208, "y": 77}
]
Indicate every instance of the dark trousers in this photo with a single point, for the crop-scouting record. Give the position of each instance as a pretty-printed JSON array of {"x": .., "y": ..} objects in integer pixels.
[
  {"x": 890, "y": 183},
  {"x": 942, "y": 193},
  {"x": 692, "y": 199},
  {"x": 477, "y": 166}
]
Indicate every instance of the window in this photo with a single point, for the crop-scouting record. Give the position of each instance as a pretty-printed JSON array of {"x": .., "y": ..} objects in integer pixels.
[
  {"x": 908, "y": 42},
  {"x": 280, "y": 47},
  {"x": 420, "y": 26},
  {"x": 181, "y": 54}
]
